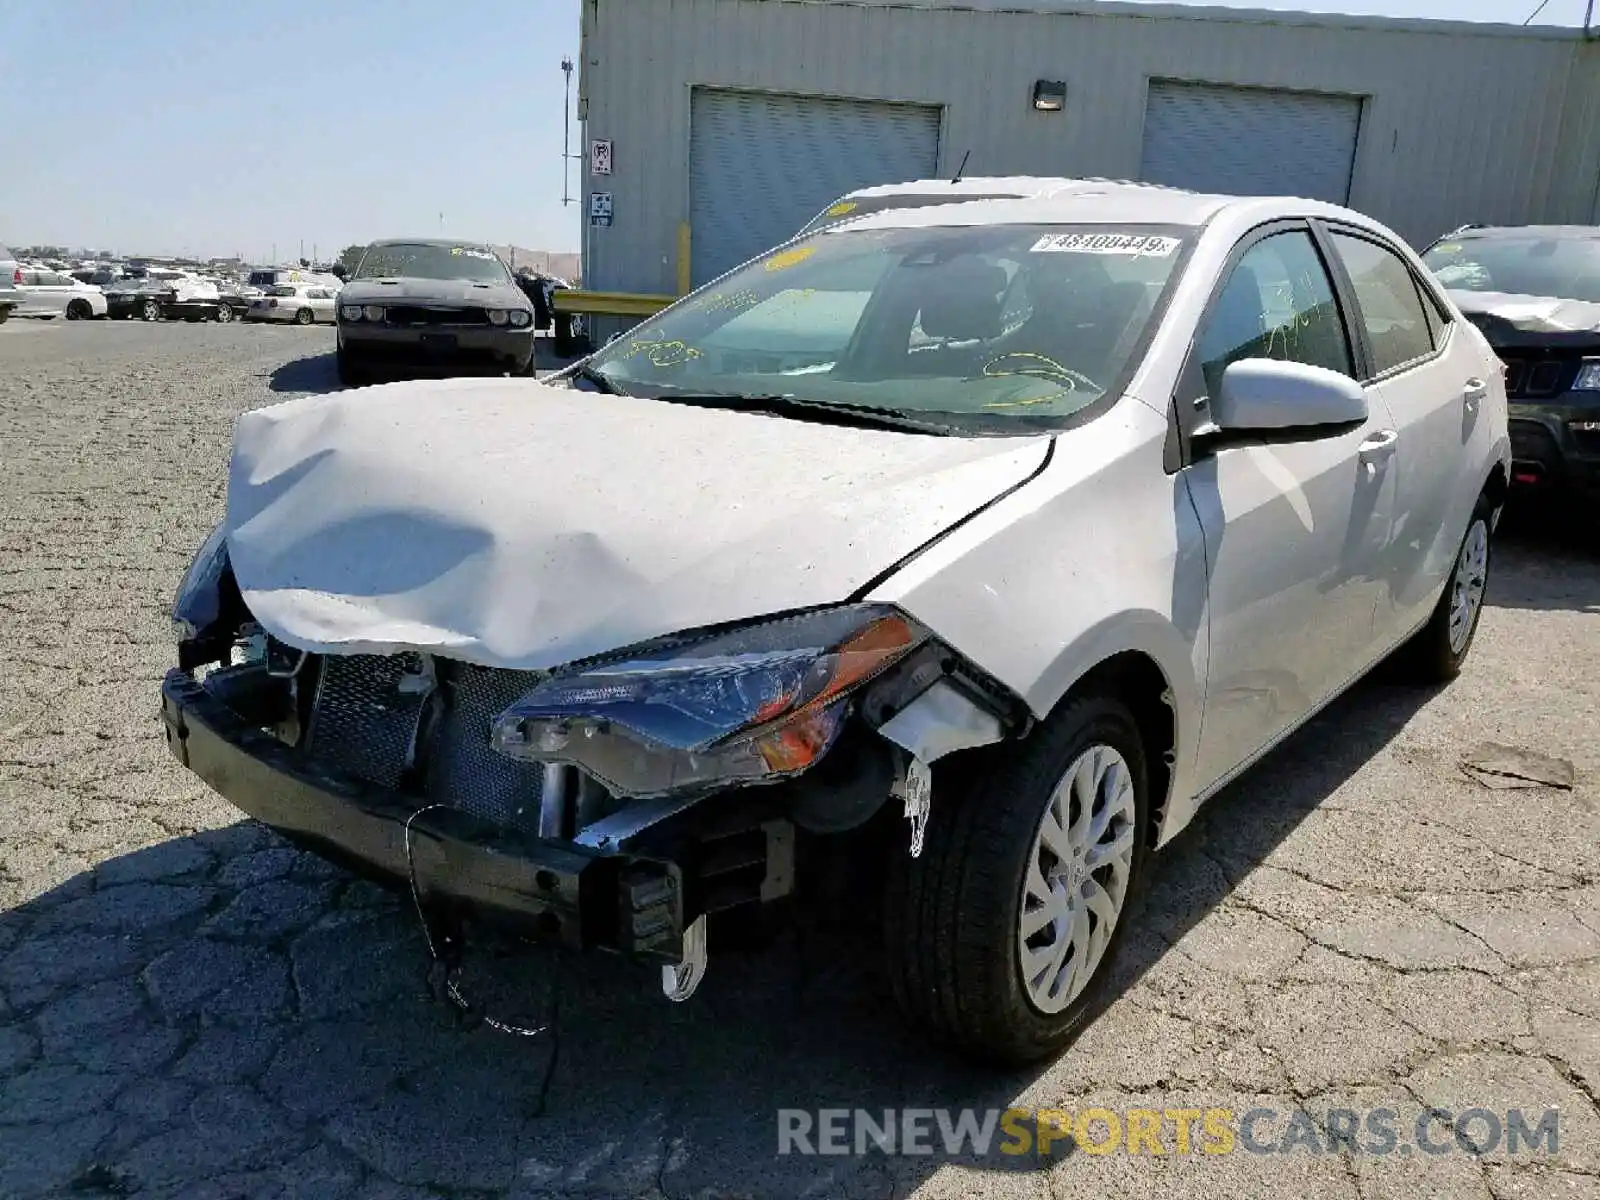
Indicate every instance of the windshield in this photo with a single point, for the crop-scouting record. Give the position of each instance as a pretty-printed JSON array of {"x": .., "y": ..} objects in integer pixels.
[
  {"x": 1567, "y": 267},
  {"x": 994, "y": 325},
  {"x": 860, "y": 206},
  {"x": 475, "y": 264}
]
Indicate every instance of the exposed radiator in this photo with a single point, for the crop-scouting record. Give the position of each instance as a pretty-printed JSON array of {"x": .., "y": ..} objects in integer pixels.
[{"x": 364, "y": 724}]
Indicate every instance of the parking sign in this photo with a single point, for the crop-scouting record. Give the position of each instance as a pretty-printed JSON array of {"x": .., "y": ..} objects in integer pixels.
[{"x": 600, "y": 156}]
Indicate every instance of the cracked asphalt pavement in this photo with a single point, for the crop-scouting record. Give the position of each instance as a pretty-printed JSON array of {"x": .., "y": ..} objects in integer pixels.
[{"x": 189, "y": 1007}]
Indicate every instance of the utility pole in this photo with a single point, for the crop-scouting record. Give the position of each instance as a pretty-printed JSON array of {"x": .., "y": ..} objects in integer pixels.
[{"x": 566, "y": 132}]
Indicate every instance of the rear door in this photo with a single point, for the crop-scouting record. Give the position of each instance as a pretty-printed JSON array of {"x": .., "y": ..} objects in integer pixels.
[
  {"x": 1435, "y": 381},
  {"x": 55, "y": 291}
]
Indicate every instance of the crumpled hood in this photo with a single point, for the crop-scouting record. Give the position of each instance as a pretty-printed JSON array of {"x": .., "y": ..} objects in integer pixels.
[
  {"x": 517, "y": 524},
  {"x": 1505, "y": 312},
  {"x": 432, "y": 291}
]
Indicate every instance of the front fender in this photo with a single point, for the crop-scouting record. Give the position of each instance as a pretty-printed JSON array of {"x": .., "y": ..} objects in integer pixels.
[{"x": 1100, "y": 555}]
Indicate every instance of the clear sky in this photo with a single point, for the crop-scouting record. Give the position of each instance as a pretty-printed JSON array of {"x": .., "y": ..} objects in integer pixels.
[{"x": 177, "y": 126}]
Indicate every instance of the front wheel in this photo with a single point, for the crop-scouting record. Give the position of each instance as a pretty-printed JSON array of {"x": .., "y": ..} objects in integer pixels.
[
  {"x": 350, "y": 375},
  {"x": 1002, "y": 935},
  {"x": 1435, "y": 655},
  {"x": 79, "y": 310},
  {"x": 304, "y": 317},
  {"x": 224, "y": 314},
  {"x": 150, "y": 311}
]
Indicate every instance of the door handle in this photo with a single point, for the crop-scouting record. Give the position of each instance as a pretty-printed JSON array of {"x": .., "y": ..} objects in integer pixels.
[{"x": 1378, "y": 447}]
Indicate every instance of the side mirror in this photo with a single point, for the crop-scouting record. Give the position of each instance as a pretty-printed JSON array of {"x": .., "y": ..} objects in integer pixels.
[{"x": 1265, "y": 396}]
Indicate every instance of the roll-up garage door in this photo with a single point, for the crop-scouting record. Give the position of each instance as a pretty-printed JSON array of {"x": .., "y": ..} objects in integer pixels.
[
  {"x": 761, "y": 166},
  {"x": 1250, "y": 141}
]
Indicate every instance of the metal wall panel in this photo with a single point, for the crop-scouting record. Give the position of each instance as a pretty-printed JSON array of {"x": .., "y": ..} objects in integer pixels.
[
  {"x": 1458, "y": 125},
  {"x": 1250, "y": 141},
  {"x": 761, "y": 164}
]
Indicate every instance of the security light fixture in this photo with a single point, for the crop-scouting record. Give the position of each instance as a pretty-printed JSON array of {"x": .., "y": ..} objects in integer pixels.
[{"x": 1049, "y": 95}]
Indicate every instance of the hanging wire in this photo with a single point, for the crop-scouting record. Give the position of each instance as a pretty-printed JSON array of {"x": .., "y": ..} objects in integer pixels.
[
  {"x": 1536, "y": 12},
  {"x": 452, "y": 972}
]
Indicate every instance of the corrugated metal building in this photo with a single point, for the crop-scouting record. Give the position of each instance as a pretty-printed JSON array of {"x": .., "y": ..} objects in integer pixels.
[{"x": 732, "y": 122}]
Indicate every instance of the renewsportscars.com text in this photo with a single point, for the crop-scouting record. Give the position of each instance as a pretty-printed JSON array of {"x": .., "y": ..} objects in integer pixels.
[{"x": 1045, "y": 1132}]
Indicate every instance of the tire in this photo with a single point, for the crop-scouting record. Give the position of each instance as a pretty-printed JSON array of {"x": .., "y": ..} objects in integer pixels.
[
  {"x": 350, "y": 375},
  {"x": 953, "y": 917},
  {"x": 79, "y": 310},
  {"x": 304, "y": 317},
  {"x": 224, "y": 314},
  {"x": 150, "y": 311},
  {"x": 1435, "y": 655}
]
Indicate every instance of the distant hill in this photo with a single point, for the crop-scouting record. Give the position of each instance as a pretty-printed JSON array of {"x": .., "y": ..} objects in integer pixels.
[{"x": 549, "y": 262}]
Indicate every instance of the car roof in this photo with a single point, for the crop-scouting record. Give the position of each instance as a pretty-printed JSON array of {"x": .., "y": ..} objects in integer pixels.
[
  {"x": 1556, "y": 232},
  {"x": 1041, "y": 200},
  {"x": 422, "y": 241}
]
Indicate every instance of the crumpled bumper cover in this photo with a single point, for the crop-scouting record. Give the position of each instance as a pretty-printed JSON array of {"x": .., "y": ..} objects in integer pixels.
[{"x": 553, "y": 890}]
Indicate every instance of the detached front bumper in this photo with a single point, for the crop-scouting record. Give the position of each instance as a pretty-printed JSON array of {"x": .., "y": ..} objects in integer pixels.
[{"x": 578, "y": 896}]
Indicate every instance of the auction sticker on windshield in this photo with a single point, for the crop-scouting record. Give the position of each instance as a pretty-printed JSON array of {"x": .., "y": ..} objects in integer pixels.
[
  {"x": 471, "y": 252},
  {"x": 1134, "y": 244}
]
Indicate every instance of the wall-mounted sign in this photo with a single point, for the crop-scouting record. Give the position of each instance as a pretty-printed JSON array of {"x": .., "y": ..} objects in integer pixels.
[
  {"x": 599, "y": 208},
  {"x": 600, "y": 156}
]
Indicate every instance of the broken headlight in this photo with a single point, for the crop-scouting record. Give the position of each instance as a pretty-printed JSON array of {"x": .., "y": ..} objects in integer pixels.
[
  {"x": 759, "y": 702},
  {"x": 199, "y": 600}
]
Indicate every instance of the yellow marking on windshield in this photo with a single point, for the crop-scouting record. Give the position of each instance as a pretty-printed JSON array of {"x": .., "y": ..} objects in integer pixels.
[
  {"x": 839, "y": 210},
  {"x": 661, "y": 352},
  {"x": 1047, "y": 398},
  {"x": 785, "y": 259},
  {"x": 1034, "y": 366}
]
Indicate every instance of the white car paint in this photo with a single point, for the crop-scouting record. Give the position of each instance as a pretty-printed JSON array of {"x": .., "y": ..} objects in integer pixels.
[
  {"x": 512, "y": 524},
  {"x": 283, "y": 301},
  {"x": 47, "y": 293}
]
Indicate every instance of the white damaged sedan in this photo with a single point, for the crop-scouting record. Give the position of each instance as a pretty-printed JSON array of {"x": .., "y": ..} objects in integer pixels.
[{"x": 978, "y": 542}]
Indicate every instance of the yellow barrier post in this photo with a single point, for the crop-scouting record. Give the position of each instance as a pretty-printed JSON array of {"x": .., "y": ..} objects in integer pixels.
[
  {"x": 609, "y": 304},
  {"x": 683, "y": 258}
]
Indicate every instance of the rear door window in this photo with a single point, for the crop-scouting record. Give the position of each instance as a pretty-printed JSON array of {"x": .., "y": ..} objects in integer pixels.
[{"x": 1392, "y": 309}]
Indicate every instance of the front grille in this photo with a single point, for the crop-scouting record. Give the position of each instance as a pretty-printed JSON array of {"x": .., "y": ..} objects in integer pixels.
[
  {"x": 462, "y": 770},
  {"x": 1530, "y": 377},
  {"x": 363, "y": 724},
  {"x": 430, "y": 315}
]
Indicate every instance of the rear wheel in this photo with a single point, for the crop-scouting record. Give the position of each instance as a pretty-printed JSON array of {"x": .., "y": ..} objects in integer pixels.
[
  {"x": 304, "y": 317},
  {"x": 150, "y": 311},
  {"x": 224, "y": 314},
  {"x": 79, "y": 310},
  {"x": 1002, "y": 935},
  {"x": 1436, "y": 653}
]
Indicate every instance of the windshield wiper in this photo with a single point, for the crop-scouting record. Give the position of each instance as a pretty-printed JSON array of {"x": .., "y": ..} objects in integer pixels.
[
  {"x": 786, "y": 405},
  {"x": 601, "y": 382}
]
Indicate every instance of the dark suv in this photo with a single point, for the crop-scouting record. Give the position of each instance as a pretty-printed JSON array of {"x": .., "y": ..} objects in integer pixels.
[{"x": 1534, "y": 291}]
